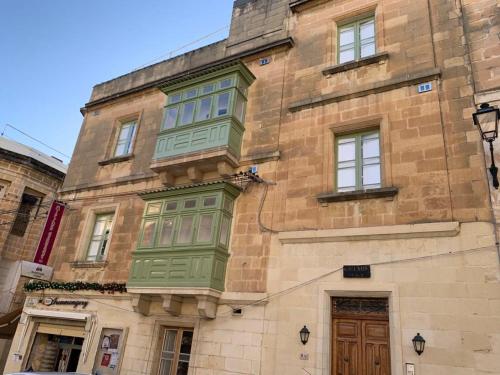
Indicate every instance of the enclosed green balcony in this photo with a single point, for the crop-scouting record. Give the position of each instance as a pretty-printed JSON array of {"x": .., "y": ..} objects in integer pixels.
[
  {"x": 184, "y": 238},
  {"x": 203, "y": 122}
]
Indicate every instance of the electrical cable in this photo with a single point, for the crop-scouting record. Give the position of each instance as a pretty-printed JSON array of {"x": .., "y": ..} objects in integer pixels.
[{"x": 34, "y": 139}]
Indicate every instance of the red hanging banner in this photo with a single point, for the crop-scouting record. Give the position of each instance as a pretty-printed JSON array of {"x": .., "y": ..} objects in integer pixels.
[{"x": 49, "y": 233}]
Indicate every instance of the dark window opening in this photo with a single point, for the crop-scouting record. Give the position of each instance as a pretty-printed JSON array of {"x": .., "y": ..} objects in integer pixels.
[{"x": 28, "y": 203}]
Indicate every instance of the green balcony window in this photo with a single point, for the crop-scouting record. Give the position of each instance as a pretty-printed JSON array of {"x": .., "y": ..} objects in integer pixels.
[
  {"x": 205, "y": 112},
  {"x": 184, "y": 237}
]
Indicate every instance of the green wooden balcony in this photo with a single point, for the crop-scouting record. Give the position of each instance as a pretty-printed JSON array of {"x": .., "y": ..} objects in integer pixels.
[
  {"x": 184, "y": 238},
  {"x": 203, "y": 122}
]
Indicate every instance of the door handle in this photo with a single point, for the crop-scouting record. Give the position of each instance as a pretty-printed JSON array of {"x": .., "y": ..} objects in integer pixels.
[{"x": 346, "y": 359}]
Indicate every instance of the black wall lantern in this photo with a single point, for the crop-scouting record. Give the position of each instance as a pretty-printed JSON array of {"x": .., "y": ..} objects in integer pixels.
[
  {"x": 418, "y": 344},
  {"x": 486, "y": 119},
  {"x": 304, "y": 335}
]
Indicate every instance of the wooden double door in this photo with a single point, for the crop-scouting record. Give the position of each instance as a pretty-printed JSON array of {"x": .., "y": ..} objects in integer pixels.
[{"x": 360, "y": 343}]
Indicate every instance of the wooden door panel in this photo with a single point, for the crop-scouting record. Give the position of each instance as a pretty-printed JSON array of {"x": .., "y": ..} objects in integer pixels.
[{"x": 360, "y": 347}]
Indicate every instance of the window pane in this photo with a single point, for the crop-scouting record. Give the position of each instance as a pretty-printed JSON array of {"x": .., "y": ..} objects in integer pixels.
[
  {"x": 190, "y": 203},
  {"x": 370, "y": 147},
  {"x": 170, "y": 118},
  {"x": 167, "y": 231},
  {"x": 121, "y": 149},
  {"x": 207, "y": 89},
  {"x": 169, "y": 340},
  {"x": 346, "y": 150},
  {"x": 154, "y": 208},
  {"x": 239, "y": 110},
  {"x": 346, "y": 179},
  {"x": 346, "y": 36},
  {"x": 187, "y": 113},
  {"x": 346, "y": 56},
  {"x": 185, "y": 230},
  {"x": 223, "y": 104},
  {"x": 176, "y": 98},
  {"x": 148, "y": 234},
  {"x": 225, "y": 83},
  {"x": 187, "y": 340},
  {"x": 367, "y": 30},
  {"x": 224, "y": 231},
  {"x": 171, "y": 206},
  {"x": 165, "y": 366},
  {"x": 125, "y": 132},
  {"x": 191, "y": 93},
  {"x": 205, "y": 229},
  {"x": 371, "y": 175},
  {"x": 228, "y": 204},
  {"x": 367, "y": 49},
  {"x": 204, "y": 109},
  {"x": 93, "y": 250},
  {"x": 209, "y": 201}
]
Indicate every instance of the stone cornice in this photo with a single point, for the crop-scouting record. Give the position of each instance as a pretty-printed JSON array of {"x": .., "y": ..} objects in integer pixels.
[{"x": 367, "y": 89}]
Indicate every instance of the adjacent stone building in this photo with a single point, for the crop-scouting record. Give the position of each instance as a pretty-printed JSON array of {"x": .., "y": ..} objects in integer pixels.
[
  {"x": 29, "y": 180},
  {"x": 365, "y": 219}
]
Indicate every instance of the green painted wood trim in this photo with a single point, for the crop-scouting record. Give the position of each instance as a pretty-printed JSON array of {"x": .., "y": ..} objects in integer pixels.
[
  {"x": 199, "y": 189},
  {"x": 209, "y": 74}
]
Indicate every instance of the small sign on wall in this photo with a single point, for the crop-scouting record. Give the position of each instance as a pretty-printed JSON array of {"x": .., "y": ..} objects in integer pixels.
[
  {"x": 358, "y": 271},
  {"x": 410, "y": 369}
]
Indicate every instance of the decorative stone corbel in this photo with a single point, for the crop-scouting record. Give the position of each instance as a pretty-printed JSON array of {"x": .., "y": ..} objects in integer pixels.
[
  {"x": 172, "y": 304},
  {"x": 224, "y": 169},
  {"x": 141, "y": 304},
  {"x": 194, "y": 174},
  {"x": 167, "y": 178},
  {"x": 207, "y": 306}
]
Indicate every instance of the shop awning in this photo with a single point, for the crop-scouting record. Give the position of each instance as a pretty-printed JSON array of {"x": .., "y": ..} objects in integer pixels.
[{"x": 8, "y": 324}]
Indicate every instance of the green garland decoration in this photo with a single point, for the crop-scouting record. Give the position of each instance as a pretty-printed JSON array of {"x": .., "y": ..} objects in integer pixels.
[{"x": 33, "y": 286}]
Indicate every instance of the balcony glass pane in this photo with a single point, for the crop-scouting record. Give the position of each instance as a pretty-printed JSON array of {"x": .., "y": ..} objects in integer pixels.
[
  {"x": 224, "y": 231},
  {"x": 190, "y": 203},
  {"x": 209, "y": 201},
  {"x": 187, "y": 113},
  {"x": 153, "y": 208},
  {"x": 205, "y": 228},
  {"x": 223, "y": 104},
  {"x": 170, "y": 118},
  {"x": 239, "y": 110},
  {"x": 185, "y": 230},
  {"x": 171, "y": 206},
  {"x": 167, "y": 231},
  {"x": 148, "y": 234},
  {"x": 190, "y": 94},
  {"x": 204, "y": 109},
  {"x": 225, "y": 83},
  {"x": 175, "y": 98},
  {"x": 207, "y": 89}
]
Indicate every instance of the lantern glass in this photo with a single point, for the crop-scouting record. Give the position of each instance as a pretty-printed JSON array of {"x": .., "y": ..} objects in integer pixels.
[
  {"x": 418, "y": 344},
  {"x": 304, "y": 335},
  {"x": 486, "y": 119}
]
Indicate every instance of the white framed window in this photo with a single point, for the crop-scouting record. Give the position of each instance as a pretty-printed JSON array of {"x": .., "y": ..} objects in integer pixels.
[
  {"x": 126, "y": 135},
  {"x": 99, "y": 238},
  {"x": 358, "y": 161}
]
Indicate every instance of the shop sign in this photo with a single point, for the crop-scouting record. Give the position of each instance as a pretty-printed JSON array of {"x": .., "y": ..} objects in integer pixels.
[
  {"x": 358, "y": 271},
  {"x": 49, "y": 233},
  {"x": 50, "y": 301},
  {"x": 36, "y": 271}
]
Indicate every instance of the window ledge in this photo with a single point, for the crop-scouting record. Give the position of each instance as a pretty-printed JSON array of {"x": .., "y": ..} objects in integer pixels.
[
  {"x": 116, "y": 159},
  {"x": 357, "y": 194},
  {"x": 382, "y": 56},
  {"x": 88, "y": 264}
]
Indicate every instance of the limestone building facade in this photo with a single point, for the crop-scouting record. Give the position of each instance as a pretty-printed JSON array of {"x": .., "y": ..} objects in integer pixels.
[
  {"x": 366, "y": 216},
  {"x": 29, "y": 181}
]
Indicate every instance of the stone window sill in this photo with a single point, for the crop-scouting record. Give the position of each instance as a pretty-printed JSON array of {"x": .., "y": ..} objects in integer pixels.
[
  {"x": 117, "y": 159},
  {"x": 88, "y": 264},
  {"x": 382, "y": 56},
  {"x": 357, "y": 195}
]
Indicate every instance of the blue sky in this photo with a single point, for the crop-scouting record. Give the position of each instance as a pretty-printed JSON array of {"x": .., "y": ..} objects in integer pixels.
[{"x": 53, "y": 51}]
